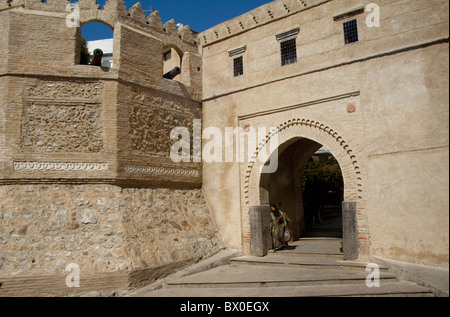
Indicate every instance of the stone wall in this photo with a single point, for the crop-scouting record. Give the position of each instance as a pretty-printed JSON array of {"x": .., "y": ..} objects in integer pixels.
[
  {"x": 85, "y": 170},
  {"x": 85, "y": 175},
  {"x": 380, "y": 105},
  {"x": 140, "y": 234},
  {"x": 118, "y": 120}
]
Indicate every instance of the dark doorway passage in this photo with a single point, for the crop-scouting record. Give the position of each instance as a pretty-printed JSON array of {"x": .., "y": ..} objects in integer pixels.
[
  {"x": 322, "y": 193},
  {"x": 308, "y": 186}
]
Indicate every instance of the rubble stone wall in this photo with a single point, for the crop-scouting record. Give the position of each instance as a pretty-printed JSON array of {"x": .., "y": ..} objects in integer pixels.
[{"x": 102, "y": 229}]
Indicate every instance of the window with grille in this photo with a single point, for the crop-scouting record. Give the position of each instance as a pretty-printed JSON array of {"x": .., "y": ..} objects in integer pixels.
[
  {"x": 288, "y": 45},
  {"x": 288, "y": 52},
  {"x": 238, "y": 66},
  {"x": 238, "y": 59},
  {"x": 351, "y": 31}
]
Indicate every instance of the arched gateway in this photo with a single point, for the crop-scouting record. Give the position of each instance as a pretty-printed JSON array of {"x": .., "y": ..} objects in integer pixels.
[{"x": 310, "y": 133}]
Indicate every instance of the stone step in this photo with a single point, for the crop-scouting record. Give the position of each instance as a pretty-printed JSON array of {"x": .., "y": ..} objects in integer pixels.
[
  {"x": 397, "y": 289},
  {"x": 331, "y": 234},
  {"x": 305, "y": 262},
  {"x": 324, "y": 232},
  {"x": 308, "y": 240},
  {"x": 313, "y": 248},
  {"x": 311, "y": 254},
  {"x": 245, "y": 276},
  {"x": 290, "y": 273}
]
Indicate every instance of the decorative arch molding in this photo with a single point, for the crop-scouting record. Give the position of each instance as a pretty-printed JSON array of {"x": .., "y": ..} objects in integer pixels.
[
  {"x": 321, "y": 132},
  {"x": 347, "y": 152}
]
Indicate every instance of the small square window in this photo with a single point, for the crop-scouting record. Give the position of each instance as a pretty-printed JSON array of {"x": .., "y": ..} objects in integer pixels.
[
  {"x": 238, "y": 66},
  {"x": 288, "y": 52},
  {"x": 351, "y": 31}
]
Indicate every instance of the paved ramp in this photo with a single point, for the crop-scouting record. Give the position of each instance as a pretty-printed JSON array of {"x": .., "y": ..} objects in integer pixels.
[{"x": 309, "y": 268}]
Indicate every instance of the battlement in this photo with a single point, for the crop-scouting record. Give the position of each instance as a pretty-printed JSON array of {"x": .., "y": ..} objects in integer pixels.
[
  {"x": 42, "y": 52},
  {"x": 112, "y": 12},
  {"x": 262, "y": 15}
]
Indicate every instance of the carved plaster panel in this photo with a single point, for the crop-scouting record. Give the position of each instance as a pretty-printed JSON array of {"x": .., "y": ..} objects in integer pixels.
[
  {"x": 61, "y": 127},
  {"x": 158, "y": 170},
  {"x": 59, "y": 166},
  {"x": 152, "y": 118},
  {"x": 63, "y": 90},
  {"x": 62, "y": 116}
]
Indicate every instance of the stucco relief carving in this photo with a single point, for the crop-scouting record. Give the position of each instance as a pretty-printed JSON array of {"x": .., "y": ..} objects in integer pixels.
[
  {"x": 157, "y": 170},
  {"x": 65, "y": 90},
  {"x": 59, "y": 166},
  {"x": 152, "y": 118},
  {"x": 62, "y": 116},
  {"x": 60, "y": 127}
]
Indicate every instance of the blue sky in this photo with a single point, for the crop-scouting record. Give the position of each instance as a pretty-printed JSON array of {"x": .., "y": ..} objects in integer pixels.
[{"x": 200, "y": 15}]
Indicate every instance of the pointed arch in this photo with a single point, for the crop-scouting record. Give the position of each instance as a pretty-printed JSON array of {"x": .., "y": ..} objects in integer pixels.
[
  {"x": 288, "y": 133},
  {"x": 255, "y": 183}
]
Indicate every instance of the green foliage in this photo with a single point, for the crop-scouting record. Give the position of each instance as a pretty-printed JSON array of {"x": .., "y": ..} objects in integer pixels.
[
  {"x": 323, "y": 181},
  {"x": 84, "y": 56}
]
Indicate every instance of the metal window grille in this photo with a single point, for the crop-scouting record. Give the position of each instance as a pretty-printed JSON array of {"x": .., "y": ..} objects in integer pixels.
[
  {"x": 238, "y": 66},
  {"x": 288, "y": 52},
  {"x": 351, "y": 31}
]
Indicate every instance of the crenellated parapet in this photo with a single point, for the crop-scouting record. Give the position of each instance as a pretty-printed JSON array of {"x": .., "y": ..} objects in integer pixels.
[
  {"x": 49, "y": 5},
  {"x": 268, "y": 13},
  {"x": 112, "y": 12},
  {"x": 88, "y": 5},
  {"x": 103, "y": 120}
]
